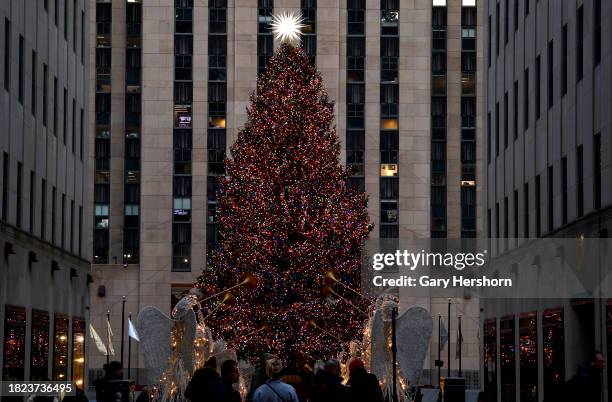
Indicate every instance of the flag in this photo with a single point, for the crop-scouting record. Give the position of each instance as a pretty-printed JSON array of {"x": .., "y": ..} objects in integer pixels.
[
  {"x": 111, "y": 350},
  {"x": 459, "y": 344},
  {"x": 443, "y": 335},
  {"x": 97, "y": 340},
  {"x": 132, "y": 333}
]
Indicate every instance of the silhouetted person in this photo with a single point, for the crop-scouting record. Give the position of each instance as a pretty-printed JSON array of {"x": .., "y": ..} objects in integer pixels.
[
  {"x": 201, "y": 379},
  {"x": 275, "y": 390},
  {"x": 222, "y": 390},
  {"x": 328, "y": 385},
  {"x": 363, "y": 386},
  {"x": 586, "y": 385}
]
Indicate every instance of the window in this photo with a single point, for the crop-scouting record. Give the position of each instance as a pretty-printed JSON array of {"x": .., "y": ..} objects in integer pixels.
[
  {"x": 564, "y": 61},
  {"x": 7, "y": 54},
  {"x": 356, "y": 17},
  {"x": 78, "y": 352},
  {"x": 60, "y": 348},
  {"x": 551, "y": 80},
  {"x": 265, "y": 42},
  {"x": 74, "y": 25},
  {"x": 528, "y": 356},
  {"x": 56, "y": 11},
  {"x": 71, "y": 226},
  {"x": 21, "y": 71},
  {"x": 553, "y": 343},
  {"x": 497, "y": 119},
  {"x": 490, "y": 358},
  {"x": 79, "y": 242},
  {"x": 13, "y": 365},
  {"x": 579, "y": 182},
  {"x": 516, "y": 15},
  {"x": 73, "y": 125},
  {"x": 53, "y": 213},
  {"x": 55, "y": 96},
  {"x": 19, "y": 194},
  {"x": 43, "y": 209},
  {"x": 506, "y": 19},
  {"x": 81, "y": 135},
  {"x": 39, "y": 355},
  {"x": 597, "y": 32},
  {"x": 526, "y": 210},
  {"x": 515, "y": 119},
  {"x": 45, "y": 99},
  {"x": 526, "y": 99},
  {"x": 82, "y": 37},
  {"x": 65, "y": 19},
  {"x": 551, "y": 188},
  {"x": 33, "y": 85},
  {"x": 65, "y": 110},
  {"x": 515, "y": 206},
  {"x": 32, "y": 199},
  {"x": 537, "y": 87},
  {"x": 5, "y": 186},
  {"x": 507, "y": 357},
  {"x": 489, "y": 41},
  {"x": 309, "y": 37},
  {"x": 489, "y": 139},
  {"x": 497, "y": 22},
  {"x": 597, "y": 171},
  {"x": 526, "y": 7},
  {"x": 63, "y": 223},
  {"x": 579, "y": 43},
  {"x": 506, "y": 120},
  {"x": 538, "y": 207},
  {"x": 564, "y": 189}
]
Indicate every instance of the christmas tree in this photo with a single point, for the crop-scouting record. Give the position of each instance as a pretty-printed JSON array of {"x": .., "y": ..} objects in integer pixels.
[{"x": 287, "y": 221}]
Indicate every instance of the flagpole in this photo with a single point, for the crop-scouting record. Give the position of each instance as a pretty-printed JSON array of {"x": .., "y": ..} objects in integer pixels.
[
  {"x": 461, "y": 344},
  {"x": 448, "y": 368},
  {"x": 108, "y": 347},
  {"x": 122, "y": 328},
  {"x": 439, "y": 362},
  {"x": 129, "y": 362}
]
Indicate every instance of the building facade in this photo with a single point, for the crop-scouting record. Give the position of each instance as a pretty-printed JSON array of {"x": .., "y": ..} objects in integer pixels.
[
  {"x": 44, "y": 224},
  {"x": 547, "y": 173},
  {"x": 173, "y": 80}
]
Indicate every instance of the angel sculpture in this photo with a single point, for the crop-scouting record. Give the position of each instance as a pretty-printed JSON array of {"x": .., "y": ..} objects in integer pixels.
[
  {"x": 167, "y": 346},
  {"x": 414, "y": 328}
]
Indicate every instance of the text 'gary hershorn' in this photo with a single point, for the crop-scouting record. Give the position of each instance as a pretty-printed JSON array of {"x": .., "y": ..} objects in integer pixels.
[{"x": 445, "y": 283}]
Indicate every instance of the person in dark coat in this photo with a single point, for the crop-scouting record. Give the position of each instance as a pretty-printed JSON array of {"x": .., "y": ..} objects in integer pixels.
[
  {"x": 201, "y": 379},
  {"x": 586, "y": 385},
  {"x": 363, "y": 386},
  {"x": 222, "y": 390},
  {"x": 327, "y": 384}
]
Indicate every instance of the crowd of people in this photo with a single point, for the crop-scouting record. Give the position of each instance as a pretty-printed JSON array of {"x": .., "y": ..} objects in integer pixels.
[{"x": 271, "y": 382}]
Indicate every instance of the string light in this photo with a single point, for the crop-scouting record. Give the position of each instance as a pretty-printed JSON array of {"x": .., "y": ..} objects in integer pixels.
[{"x": 287, "y": 218}]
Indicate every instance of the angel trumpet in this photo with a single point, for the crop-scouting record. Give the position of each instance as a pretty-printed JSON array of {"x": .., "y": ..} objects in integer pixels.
[
  {"x": 249, "y": 280},
  {"x": 313, "y": 324},
  {"x": 330, "y": 276},
  {"x": 327, "y": 290}
]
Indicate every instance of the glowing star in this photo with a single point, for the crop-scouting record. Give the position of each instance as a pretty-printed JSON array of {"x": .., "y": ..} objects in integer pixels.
[{"x": 287, "y": 27}]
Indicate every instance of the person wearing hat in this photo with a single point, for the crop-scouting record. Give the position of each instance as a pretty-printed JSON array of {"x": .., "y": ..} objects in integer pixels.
[
  {"x": 363, "y": 386},
  {"x": 274, "y": 389}
]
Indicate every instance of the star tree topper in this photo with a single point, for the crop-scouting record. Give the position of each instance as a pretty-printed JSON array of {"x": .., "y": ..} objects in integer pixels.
[{"x": 287, "y": 27}]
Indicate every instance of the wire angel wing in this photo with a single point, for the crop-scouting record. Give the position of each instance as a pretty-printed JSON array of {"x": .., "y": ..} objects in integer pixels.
[
  {"x": 414, "y": 328},
  {"x": 155, "y": 329},
  {"x": 380, "y": 358},
  {"x": 186, "y": 327}
]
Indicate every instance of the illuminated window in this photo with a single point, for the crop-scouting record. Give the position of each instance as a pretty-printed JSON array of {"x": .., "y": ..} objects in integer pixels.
[
  {"x": 60, "y": 348},
  {"x": 39, "y": 356},
  {"x": 78, "y": 352},
  {"x": 13, "y": 365}
]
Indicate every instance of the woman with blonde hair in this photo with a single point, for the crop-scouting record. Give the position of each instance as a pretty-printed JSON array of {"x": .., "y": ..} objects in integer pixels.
[{"x": 274, "y": 389}]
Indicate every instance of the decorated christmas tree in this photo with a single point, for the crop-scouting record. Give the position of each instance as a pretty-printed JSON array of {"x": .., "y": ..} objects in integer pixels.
[{"x": 291, "y": 231}]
